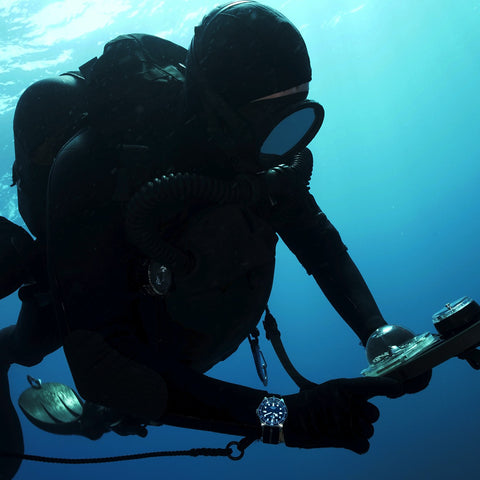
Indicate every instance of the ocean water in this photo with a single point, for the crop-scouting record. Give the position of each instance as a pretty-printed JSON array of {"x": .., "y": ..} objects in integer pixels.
[{"x": 397, "y": 172}]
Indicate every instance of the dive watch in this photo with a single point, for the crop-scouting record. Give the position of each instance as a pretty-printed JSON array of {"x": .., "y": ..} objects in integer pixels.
[{"x": 272, "y": 413}]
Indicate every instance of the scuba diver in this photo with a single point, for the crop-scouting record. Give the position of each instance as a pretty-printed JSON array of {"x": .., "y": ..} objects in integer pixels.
[{"x": 156, "y": 195}]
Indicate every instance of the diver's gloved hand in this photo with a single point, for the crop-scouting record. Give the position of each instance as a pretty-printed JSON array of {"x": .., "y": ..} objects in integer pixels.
[
  {"x": 97, "y": 420},
  {"x": 129, "y": 426},
  {"x": 336, "y": 413}
]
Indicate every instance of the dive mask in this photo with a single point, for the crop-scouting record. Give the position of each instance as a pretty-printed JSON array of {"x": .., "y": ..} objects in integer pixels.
[
  {"x": 263, "y": 133},
  {"x": 281, "y": 127}
]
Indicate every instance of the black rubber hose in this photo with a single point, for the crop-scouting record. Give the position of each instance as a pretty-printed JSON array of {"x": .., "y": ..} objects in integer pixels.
[
  {"x": 302, "y": 166},
  {"x": 286, "y": 179},
  {"x": 158, "y": 201}
]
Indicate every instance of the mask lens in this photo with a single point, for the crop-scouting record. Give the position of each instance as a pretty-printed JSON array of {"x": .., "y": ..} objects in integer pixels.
[{"x": 289, "y": 132}]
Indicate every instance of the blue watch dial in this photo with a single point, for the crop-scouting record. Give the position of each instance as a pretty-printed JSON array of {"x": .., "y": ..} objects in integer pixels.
[{"x": 272, "y": 411}]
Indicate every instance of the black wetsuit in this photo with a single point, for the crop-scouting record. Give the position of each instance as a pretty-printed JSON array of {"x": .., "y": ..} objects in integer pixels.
[{"x": 146, "y": 355}]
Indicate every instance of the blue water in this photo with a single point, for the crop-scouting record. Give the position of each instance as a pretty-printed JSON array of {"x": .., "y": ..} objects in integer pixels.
[{"x": 396, "y": 170}]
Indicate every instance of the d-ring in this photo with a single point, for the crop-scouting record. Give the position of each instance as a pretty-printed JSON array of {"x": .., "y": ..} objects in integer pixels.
[{"x": 231, "y": 454}]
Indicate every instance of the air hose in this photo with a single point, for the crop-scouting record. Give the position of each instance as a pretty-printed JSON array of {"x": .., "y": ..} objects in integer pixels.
[
  {"x": 285, "y": 179},
  {"x": 158, "y": 201},
  {"x": 302, "y": 166}
]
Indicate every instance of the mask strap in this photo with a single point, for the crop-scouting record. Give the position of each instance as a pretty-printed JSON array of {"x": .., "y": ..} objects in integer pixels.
[{"x": 289, "y": 91}]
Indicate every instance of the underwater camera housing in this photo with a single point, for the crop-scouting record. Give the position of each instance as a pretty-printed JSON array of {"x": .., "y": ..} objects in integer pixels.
[{"x": 396, "y": 352}]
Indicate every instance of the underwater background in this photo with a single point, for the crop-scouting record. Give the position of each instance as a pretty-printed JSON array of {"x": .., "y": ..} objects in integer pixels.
[{"x": 396, "y": 171}]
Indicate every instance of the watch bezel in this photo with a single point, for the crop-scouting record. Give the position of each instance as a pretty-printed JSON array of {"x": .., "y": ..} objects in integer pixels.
[{"x": 268, "y": 403}]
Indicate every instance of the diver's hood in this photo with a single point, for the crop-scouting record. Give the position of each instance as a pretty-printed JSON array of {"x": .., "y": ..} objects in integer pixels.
[
  {"x": 242, "y": 55},
  {"x": 245, "y": 51}
]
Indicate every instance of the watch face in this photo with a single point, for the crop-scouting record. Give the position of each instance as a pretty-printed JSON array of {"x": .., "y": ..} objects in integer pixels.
[{"x": 272, "y": 411}]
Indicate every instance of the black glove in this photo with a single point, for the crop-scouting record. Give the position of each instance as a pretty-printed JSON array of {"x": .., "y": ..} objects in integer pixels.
[
  {"x": 417, "y": 384},
  {"x": 129, "y": 426},
  {"x": 336, "y": 413},
  {"x": 97, "y": 420}
]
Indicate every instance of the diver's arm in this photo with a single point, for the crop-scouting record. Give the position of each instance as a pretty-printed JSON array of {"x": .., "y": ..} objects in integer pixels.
[{"x": 317, "y": 244}]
